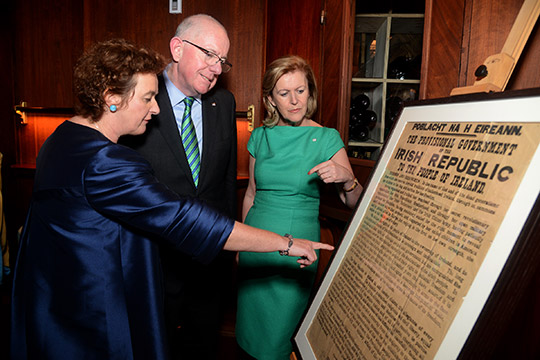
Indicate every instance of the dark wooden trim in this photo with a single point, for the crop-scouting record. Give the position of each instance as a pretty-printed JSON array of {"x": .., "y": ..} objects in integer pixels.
[
  {"x": 45, "y": 110},
  {"x": 71, "y": 111}
]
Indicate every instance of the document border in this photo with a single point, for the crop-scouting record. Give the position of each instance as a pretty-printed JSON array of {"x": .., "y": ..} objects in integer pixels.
[{"x": 513, "y": 256}]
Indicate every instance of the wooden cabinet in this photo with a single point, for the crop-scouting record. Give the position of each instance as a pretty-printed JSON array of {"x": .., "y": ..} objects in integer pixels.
[{"x": 387, "y": 56}]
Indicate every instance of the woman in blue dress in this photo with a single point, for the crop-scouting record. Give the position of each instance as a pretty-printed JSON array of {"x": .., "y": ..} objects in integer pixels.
[
  {"x": 290, "y": 156},
  {"x": 87, "y": 280}
]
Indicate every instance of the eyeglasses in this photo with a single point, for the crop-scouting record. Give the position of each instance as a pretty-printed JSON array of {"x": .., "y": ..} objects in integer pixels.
[{"x": 213, "y": 58}]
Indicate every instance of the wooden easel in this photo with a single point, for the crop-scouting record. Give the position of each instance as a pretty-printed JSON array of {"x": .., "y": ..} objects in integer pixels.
[{"x": 494, "y": 74}]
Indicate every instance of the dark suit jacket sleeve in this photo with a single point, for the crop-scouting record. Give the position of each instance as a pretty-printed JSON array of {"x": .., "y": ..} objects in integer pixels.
[{"x": 232, "y": 172}]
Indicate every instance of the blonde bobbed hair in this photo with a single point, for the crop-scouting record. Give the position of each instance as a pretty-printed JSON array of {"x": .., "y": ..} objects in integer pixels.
[{"x": 274, "y": 72}]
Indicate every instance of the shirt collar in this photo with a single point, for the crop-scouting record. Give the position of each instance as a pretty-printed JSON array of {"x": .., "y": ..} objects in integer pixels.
[{"x": 175, "y": 95}]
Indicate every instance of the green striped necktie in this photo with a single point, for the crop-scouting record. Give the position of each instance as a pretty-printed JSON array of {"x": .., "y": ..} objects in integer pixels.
[{"x": 189, "y": 140}]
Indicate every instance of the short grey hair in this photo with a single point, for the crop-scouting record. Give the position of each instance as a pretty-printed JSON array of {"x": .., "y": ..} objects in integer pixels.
[{"x": 193, "y": 24}]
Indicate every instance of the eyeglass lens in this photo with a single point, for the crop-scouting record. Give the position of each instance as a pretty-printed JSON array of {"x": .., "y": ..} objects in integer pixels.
[{"x": 212, "y": 59}]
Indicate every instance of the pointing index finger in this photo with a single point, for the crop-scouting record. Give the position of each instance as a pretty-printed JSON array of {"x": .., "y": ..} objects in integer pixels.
[{"x": 316, "y": 168}]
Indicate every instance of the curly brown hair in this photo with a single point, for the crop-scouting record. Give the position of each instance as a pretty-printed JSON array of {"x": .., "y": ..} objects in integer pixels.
[
  {"x": 274, "y": 72},
  {"x": 108, "y": 68}
]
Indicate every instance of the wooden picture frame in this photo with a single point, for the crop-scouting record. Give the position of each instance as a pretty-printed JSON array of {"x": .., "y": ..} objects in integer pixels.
[{"x": 443, "y": 241}]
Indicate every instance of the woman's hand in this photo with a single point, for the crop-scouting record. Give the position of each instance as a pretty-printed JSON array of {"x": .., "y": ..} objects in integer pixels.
[
  {"x": 338, "y": 170},
  {"x": 332, "y": 172},
  {"x": 247, "y": 238},
  {"x": 305, "y": 251}
]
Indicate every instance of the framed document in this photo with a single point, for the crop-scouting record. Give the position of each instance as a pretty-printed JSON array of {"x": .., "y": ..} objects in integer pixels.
[{"x": 440, "y": 238}]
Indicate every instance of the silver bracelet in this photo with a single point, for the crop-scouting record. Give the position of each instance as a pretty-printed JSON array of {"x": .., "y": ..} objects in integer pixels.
[{"x": 286, "y": 252}]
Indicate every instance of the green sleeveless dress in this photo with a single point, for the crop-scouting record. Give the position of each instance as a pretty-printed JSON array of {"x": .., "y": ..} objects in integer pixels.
[{"x": 273, "y": 291}]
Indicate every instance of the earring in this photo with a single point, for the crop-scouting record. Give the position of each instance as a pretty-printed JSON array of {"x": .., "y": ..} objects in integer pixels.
[{"x": 113, "y": 108}]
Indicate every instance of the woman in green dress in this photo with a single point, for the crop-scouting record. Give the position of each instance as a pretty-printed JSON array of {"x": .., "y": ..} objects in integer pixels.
[{"x": 291, "y": 155}]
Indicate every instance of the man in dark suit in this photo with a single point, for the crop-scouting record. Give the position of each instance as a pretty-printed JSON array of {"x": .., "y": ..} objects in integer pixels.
[{"x": 194, "y": 292}]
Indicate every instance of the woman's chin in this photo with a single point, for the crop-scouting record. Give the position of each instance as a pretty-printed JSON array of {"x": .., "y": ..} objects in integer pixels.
[
  {"x": 294, "y": 121},
  {"x": 140, "y": 130}
]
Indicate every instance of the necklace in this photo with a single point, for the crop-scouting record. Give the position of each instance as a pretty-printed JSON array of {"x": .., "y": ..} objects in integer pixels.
[{"x": 95, "y": 124}]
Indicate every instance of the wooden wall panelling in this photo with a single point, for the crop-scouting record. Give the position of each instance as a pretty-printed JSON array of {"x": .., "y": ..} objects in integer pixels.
[
  {"x": 526, "y": 74},
  {"x": 443, "y": 32},
  {"x": 293, "y": 28},
  {"x": 489, "y": 26},
  {"x": 245, "y": 24},
  {"x": 460, "y": 34},
  {"x": 143, "y": 22},
  {"x": 338, "y": 37},
  {"x": 465, "y": 42},
  {"x": 486, "y": 27},
  {"x": 146, "y": 23},
  {"x": 48, "y": 40},
  {"x": 41, "y": 41},
  {"x": 33, "y": 134}
]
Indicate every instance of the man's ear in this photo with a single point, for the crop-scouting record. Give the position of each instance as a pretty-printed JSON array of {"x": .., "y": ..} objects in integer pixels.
[{"x": 176, "y": 46}]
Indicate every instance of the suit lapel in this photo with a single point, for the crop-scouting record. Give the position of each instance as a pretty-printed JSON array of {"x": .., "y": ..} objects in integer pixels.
[
  {"x": 210, "y": 110},
  {"x": 169, "y": 129}
]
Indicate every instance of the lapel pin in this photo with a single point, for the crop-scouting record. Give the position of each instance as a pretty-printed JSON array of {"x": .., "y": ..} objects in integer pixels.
[{"x": 213, "y": 104}]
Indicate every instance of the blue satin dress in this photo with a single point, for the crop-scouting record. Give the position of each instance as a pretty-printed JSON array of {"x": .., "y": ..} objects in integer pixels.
[{"x": 88, "y": 281}]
